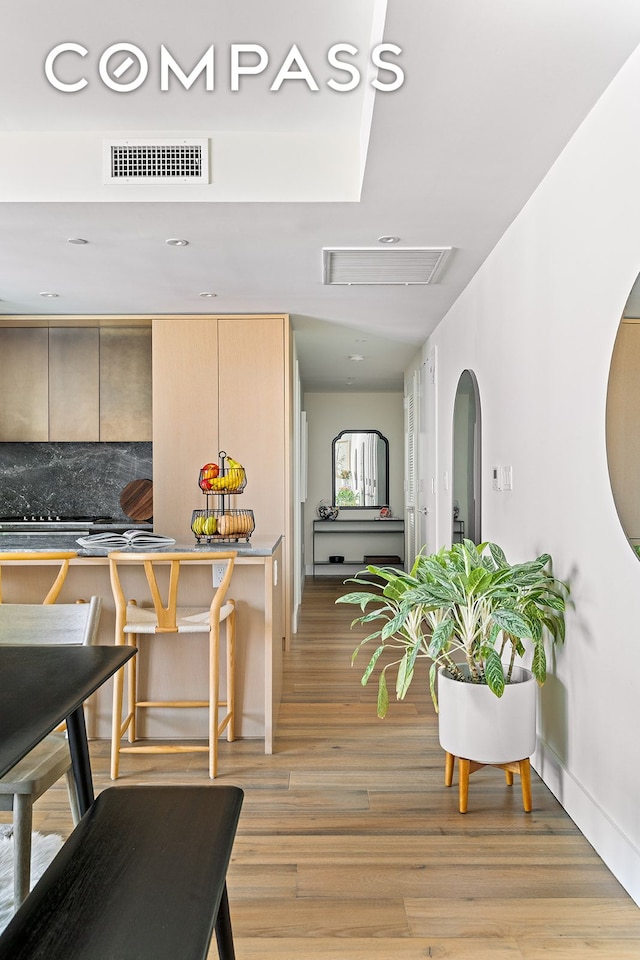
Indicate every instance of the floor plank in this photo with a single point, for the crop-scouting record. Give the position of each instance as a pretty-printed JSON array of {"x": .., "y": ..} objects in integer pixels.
[{"x": 349, "y": 844}]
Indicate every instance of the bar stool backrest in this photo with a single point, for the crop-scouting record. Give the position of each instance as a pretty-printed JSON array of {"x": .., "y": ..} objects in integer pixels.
[
  {"x": 24, "y": 557},
  {"x": 167, "y": 612}
]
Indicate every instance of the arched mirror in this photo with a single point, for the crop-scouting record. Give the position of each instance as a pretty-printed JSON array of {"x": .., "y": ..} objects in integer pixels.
[
  {"x": 623, "y": 419},
  {"x": 360, "y": 469},
  {"x": 466, "y": 460}
]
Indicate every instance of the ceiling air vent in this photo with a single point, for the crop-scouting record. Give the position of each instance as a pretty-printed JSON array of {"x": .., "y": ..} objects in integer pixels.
[
  {"x": 402, "y": 265},
  {"x": 156, "y": 161}
]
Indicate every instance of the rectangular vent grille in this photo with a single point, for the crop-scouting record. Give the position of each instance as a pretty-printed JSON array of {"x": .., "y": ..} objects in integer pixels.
[
  {"x": 156, "y": 161},
  {"x": 375, "y": 265}
]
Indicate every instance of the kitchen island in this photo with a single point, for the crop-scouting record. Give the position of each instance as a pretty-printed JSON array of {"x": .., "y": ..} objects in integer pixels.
[{"x": 256, "y": 586}]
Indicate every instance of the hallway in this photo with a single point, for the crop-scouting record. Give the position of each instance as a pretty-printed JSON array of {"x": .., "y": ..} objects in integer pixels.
[{"x": 350, "y": 847}]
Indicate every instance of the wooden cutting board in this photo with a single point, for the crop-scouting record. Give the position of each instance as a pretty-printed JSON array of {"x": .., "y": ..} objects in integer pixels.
[{"x": 136, "y": 500}]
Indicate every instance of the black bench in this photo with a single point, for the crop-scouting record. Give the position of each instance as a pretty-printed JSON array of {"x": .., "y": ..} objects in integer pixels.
[{"x": 142, "y": 876}]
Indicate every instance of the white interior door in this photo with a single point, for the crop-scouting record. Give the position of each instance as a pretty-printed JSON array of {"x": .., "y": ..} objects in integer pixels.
[
  {"x": 428, "y": 470},
  {"x": 411, "y": 468}
]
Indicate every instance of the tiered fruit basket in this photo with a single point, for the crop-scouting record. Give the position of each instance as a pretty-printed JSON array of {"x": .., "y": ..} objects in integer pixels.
[{"x": 221, "y": 523}]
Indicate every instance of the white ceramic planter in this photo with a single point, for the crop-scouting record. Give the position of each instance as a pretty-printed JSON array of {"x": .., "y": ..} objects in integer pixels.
[{"x": 477, "y": 725}]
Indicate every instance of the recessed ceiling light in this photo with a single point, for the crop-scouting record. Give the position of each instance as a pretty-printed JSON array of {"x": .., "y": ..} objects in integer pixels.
[
  {"x": 174, "y": 242},
  {"x": 388, "y": 239},
  {"x": 208, "y": 294},
  {"x": 46, "y": 293},
  {"x": 79, "y": 240},
  {"x": 356, "y": 357}
]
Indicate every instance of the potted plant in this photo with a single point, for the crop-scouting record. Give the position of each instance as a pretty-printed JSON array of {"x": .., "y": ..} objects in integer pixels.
[{"x": 475, "y": 616}]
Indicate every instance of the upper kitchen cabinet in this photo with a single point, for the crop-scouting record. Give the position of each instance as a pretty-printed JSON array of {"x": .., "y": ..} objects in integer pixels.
[
  {"x": 75, "y": 382},
  {"x": 125, "y": 383},
  {"x": 24, "y": 379},
  {"x": 74, "y": 394}
]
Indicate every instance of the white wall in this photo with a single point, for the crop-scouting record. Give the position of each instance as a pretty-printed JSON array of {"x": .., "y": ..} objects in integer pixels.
[
  {"x": 298, "y": 488},
  {"x": 537, "y": 325},
  {"x": 327, "y": 415}
]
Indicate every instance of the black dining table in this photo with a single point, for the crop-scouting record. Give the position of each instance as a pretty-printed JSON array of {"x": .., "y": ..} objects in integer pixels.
[{"x": 42, "y": 686}]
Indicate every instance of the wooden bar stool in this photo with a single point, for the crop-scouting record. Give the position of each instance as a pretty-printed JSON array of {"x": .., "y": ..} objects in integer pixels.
[
  {"x": 133, "y": 620},
  {"x": 62, "y": 556},
  {"x": 467, "y": 767}
]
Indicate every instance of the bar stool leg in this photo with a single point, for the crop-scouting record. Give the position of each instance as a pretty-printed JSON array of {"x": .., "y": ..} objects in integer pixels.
[
  {"x": 231, "y": 672},
  {"x": 116, "y": 722},
  {"x": 214, "y": 697},
  {"x": 132, "y": 692}
]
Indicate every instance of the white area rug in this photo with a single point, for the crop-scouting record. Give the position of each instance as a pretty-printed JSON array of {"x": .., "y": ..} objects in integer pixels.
[{"x": 43, "y": 849}]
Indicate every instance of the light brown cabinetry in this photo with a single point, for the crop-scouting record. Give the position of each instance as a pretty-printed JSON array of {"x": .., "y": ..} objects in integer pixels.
[
  {"x": 185, "y": 418},
  {"x": 222, "y": 383},
  {"x": 24, "y": 380},
  {"x": 253, "y": 416}
]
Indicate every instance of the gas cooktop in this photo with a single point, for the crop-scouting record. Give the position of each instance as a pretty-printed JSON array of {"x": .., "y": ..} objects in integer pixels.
[
  {"x": 54, "y": 518},
  {"x": 55, "y": 523}
]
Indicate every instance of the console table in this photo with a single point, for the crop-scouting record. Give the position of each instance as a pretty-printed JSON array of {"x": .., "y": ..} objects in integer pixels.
[{"x": 356, "y": 539}]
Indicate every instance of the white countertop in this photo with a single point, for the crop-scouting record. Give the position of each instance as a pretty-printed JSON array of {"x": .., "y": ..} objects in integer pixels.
[{"x": 260, "y": 545}]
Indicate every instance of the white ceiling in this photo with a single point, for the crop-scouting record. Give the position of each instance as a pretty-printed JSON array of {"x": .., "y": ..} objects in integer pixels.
[{"x": 494, "y": 89}]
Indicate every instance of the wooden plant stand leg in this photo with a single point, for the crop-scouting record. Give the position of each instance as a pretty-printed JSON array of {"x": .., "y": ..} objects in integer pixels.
[
  {"x": 525, "y": 782},
  {"x": 467, "y": 767},
  {"x": 463, "y": 783},
  {"x": 522, "y": 767},
  {"x": 449, "y": 763}
]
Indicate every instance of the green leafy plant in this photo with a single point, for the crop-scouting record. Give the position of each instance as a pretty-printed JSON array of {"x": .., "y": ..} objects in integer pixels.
[
  {"x": 465, "y": 608},
  {"x": 346, "y": 497}
]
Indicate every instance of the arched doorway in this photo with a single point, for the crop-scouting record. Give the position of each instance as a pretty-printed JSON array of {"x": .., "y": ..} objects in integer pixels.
[{"x": 466, "y": 460}]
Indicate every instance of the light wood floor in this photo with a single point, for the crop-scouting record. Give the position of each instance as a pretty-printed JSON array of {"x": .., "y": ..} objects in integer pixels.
[{"x": 350, "y": 846}]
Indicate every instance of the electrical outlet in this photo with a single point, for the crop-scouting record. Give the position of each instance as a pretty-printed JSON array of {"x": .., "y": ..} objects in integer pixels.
[{"x": 219, "y": 570}]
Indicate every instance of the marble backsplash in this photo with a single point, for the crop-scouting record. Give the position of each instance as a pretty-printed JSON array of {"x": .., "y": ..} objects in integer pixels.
[{"x": 71, "y": 479}]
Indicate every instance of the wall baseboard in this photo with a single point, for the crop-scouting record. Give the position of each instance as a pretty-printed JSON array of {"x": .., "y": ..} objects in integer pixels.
[{"x": 618, "y": 853}]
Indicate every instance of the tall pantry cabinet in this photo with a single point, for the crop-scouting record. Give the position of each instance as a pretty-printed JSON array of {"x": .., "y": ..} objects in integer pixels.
[{"x": 222, "y": 383}]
